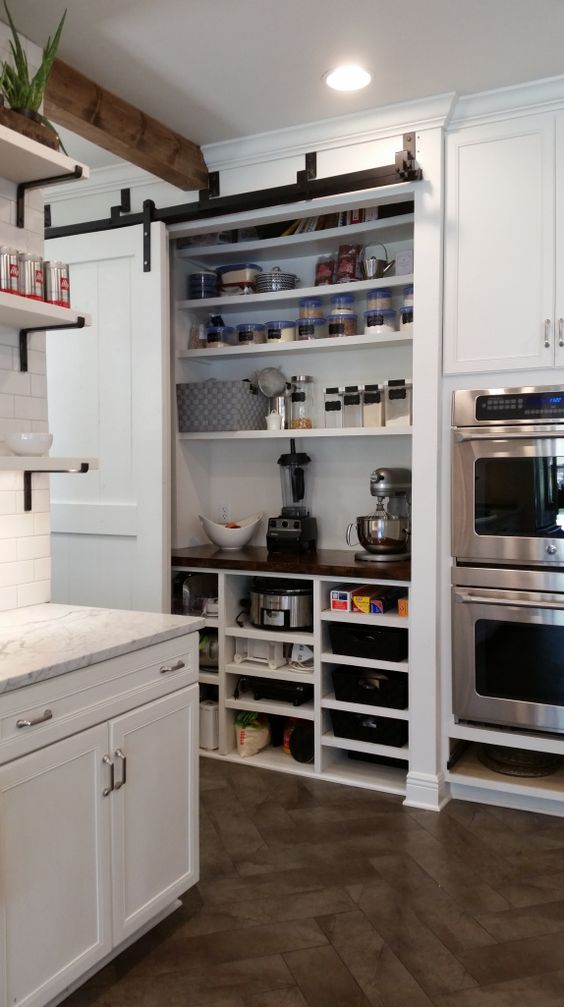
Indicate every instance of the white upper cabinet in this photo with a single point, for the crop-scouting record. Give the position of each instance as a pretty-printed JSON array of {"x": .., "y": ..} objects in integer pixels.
[{"x": 500, "y": 262}]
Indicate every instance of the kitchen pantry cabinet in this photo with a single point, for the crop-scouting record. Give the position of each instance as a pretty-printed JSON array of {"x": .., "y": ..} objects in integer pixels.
[
  {"x": 99, "y": 830},
  {"x": 504, "y": 250}
]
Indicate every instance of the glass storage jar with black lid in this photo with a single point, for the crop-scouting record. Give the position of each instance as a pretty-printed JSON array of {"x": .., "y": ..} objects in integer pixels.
[
  {"x": 342, "y": 325},
  {"x": 303, "y": 402},
  {"x": 342, "y": 304},
  {"x": 373, "y": 406},
  {"x": 251, "y": 332},
  {"x": 379, "y": 298},
  {"x": 352, "y": 406},
  {"x": 311, "y": 328},
  {"x": 220, "y": 335},
  {"x": 406, "y": 319},
  {"x": 280, "y": 331},
  {"x": 333, "y": 407},
  {"x": 380, "y": 322},
  {"x": 309, "y": 307}
]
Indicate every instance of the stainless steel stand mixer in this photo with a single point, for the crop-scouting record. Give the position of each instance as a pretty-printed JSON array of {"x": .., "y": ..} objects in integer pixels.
[{"x": 385, "y": 533}]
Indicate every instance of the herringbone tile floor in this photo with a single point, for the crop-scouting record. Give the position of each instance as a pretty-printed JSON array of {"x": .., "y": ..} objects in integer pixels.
[{"x": 318, "y": 895}]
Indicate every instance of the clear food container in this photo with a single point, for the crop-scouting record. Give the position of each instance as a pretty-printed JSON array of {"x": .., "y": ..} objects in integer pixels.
[
  {"x": 408, "y": 294},
  {"x": 352, "y": 406},
  {"x": 251, "y": 332},
  {"x": 373, "y": 406},
  {"x": 406, "y": 320},
  {"x": 381, "y": 298},
  {"x": 398, "y": 402},
  {"x": 220, "y": 335},
  {"x": 303, "y": 402},
  {"x": 380, "y": 322},
  {"x": 310, "y": 307},
  {"x": 342, "y": 325},
  {"x": 280, "y": 331},
  {"x": 342, "y": 304},
  {"x": 311, "y": 328},
  {"x": 333, "y": 407}
]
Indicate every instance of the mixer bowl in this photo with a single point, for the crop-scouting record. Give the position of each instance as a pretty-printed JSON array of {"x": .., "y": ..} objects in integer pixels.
[{"x": 385, "y": 535}]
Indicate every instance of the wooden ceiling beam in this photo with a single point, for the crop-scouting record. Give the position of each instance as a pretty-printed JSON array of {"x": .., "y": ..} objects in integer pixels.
[{"x": 78, "y": 103}]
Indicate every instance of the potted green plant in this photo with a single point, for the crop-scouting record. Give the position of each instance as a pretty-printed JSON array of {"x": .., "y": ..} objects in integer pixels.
[{"x": 24, "y": 92}]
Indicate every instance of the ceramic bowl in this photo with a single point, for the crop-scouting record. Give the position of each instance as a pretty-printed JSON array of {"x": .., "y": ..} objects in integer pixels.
[
  {"x": 35, "y": 444},
  {"x": 231, "y": 538}
]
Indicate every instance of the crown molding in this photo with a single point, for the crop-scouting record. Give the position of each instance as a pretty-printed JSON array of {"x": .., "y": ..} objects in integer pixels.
[
  {"x": 110, "y": 179},
  {"x": 508, "y": 102},
  {"x": 327, "y": 134}
]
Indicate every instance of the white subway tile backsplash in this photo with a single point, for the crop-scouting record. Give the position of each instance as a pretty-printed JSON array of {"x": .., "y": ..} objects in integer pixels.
[
  {"x": 34, "y": 594},
  {"x": 15, "y": 382},
  {"x": 37, "y": 547},
  {"x": 16, "y": 525},
  {"x": 8, "y": 550},
  {"x": 41, "y": 524},
  {"x": 13, "y": 574},
  {"x": 39, "y": 386},
  {"x": 36, "y": 361},
  {"x": 42, "y": 568},
  {"x": 28, "y": 408},
  {"x": 8, "y": 598}
]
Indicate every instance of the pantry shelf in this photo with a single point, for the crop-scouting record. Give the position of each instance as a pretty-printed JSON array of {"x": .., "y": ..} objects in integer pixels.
[
  {"x": 360, "y": 619},
  {"x": 303, "y": 712},
  {"x": 332, "y": 343},
  {"x": 208, "y": 677},
  {"x": 32, "y": 463},
  {"x": 284, "y": 673},
  {"x": 389, "y": 751},
  {"x": 234, "y": 435},
  {"x": 330, "y": 703},
  {"x": 26, "y": 160},
  {"x": 24, "y": 313},
  {"x": 364, "y": 662}
]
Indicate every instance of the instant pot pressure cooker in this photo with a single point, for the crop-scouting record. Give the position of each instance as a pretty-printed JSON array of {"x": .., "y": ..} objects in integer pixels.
[{"x": 281, "y": 604}]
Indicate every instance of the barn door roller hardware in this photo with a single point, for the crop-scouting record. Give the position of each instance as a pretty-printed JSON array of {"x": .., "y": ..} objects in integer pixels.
[
  {"x": 79, "y": 324},
  {"x": 210, "y": 204},
  {"x": 81, "y": 469},
  {"x": 41, "y": 183}
]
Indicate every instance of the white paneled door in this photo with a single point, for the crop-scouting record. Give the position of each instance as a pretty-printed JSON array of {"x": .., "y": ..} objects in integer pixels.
[{"x": 108, "y": 394}]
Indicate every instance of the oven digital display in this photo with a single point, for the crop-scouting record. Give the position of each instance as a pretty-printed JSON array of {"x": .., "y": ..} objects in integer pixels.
[{"x": 520, "y": 405}]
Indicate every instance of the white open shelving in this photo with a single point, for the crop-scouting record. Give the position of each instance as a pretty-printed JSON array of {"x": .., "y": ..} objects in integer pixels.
[
  {"x": 24, "y": 313},
  {"x": 330, "y": 740},
  {"x": 303, "y": 712},
  {"x": 299, "y": 346},
  {"x": 283, "y": 674},
  {"x": 316, "y": 432},
  {"x": 26, "y": 160},
  {"x": 360, "y": 619},
  {"x": 43, "y": 463},
  {"x": 364, "y": 662}
]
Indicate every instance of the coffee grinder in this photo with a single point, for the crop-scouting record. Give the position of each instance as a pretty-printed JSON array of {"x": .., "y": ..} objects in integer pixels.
[{"x": 294, "y": 530}]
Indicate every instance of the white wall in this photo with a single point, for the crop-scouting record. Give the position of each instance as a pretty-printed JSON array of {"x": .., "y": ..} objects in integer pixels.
[{"x": 24, "y": 537}]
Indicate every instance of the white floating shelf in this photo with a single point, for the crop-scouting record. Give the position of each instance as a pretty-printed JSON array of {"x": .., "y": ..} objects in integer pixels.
[
  {"x": 24, "y": 313},
  {"x": 246, "y": 435},
  {"x": 303, "y": 712},
  {"x": 347, "y": 343},
  {"x": 364, "y": 662},
  {"x": 26, "y": 160},
  {"x": 306, "y": 243},
  {"x": 280, "y": 636},
  {"x": 268, "y": 758},
  {"x": 330, "y": 703},
  {"x": 390, "y": 751},
  {"x": 289, "y": 298},
  {"x": 32, "y": 463}
]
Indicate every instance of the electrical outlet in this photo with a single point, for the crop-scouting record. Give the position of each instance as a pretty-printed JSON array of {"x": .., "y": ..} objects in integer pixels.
[{"x": 223, "y": 513}]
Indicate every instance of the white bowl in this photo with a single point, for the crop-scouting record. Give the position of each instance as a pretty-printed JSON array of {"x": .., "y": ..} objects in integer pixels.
[
  {"x": 231, "y": 538},
  {"x": 28, "y": 443}
]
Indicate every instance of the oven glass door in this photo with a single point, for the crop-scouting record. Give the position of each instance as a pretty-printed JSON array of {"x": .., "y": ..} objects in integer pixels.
[
  {"x": 508, "y": 498},
  {"x": 509, "y": 658}
]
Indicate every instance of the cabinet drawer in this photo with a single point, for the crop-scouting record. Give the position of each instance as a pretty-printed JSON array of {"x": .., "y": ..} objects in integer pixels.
[{"x": 40, "y": 714}]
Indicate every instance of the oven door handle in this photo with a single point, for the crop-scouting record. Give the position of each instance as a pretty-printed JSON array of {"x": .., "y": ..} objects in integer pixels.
[
  {"x": 521, "y": 435},
  {"x": 463, "y": 597}
]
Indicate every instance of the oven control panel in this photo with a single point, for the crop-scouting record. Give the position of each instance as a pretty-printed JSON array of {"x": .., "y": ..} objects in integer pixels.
[{"x": 520, "y": 405}]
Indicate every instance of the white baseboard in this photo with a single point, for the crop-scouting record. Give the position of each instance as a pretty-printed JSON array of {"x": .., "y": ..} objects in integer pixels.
[{"x": 426, "y": 791}]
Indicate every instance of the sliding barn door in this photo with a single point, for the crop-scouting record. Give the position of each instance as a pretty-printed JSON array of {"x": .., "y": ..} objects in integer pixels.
[{"x": 108, "y": 394}]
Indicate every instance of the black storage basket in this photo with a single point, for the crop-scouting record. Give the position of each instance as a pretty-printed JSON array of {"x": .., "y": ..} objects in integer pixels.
[
  {"x": 372, "y": 642},
  {"x": 366, "y": 727},
  {"x": 353, "y": 685}
]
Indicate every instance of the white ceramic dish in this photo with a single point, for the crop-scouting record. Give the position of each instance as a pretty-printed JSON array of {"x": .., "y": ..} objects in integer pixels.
[
  {"x": 231, "y": 538},
  {"x": 27, "y": 443}
]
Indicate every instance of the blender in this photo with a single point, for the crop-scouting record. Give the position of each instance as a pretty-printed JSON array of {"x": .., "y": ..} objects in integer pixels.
[
  {"x": 294, "y": 530},
  {"x": 385, "y": 533}
]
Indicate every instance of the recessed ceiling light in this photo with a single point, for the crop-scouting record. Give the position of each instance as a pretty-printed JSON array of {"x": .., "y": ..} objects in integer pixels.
[{"x": 347, "y": 78}]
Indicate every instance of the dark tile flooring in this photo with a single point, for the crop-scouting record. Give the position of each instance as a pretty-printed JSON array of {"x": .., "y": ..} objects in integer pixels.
[{"x": 318, "y": 895}]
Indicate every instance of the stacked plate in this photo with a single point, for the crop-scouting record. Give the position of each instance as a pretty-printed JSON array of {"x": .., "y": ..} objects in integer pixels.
[
  {"x": 273, "y": 280},
  {"x": 202, "y": 285}
]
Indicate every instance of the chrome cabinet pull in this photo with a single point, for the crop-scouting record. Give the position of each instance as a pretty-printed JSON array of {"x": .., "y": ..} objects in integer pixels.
[
  {"x": 561, "y": 331},
  {"x": 463, "y": 598},
  {"x": 119, "y": 755},
  {"x": 172, "y": 667},
  {"x": 547, "y": 333},
  {"x": 107, "y": 760},
  {"x": 47, "y": 715}
]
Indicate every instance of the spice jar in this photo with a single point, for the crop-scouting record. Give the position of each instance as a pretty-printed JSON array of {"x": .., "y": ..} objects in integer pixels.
[
  {"x": 406, "y": 320},
  {"x": 342, "y": 304},
  {"x": 352, "y": 406},
  {"x": 325, "y": 270},
  {"x": 342, "y": 325},
  {"x": 280, "y": 331},
  {"x": 302, "y": 417},
  {"x": 250, "y": 332},
  {"x": 380, "y": 322},
  {"x": 309, "y": 307},
  {"x": 373, "y": 406},
  {"x": 381, "y": 298},
  {"x": 311, "y": 328},
  {"x": 218, "y": 336},
  {"x": 333, "y": 408}
]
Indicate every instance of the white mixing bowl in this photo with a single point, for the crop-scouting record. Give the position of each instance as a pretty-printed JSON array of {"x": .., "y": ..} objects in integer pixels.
[
  {"x": 231, "y": 538},
  {"x": 28, "y": 443}
]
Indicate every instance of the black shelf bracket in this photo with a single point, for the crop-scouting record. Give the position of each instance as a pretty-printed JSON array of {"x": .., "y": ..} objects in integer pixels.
[
  {"x": 24, "y": 333},
  {"x": 83, "y": 467},
  {"x": 40, "y": 183},
  {"x": 148, "y": 217},
  {"x": 124, "y": 205}
]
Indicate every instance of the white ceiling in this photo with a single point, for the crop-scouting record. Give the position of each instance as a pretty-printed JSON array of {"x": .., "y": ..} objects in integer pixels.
[{"x": 217, "y": 69}]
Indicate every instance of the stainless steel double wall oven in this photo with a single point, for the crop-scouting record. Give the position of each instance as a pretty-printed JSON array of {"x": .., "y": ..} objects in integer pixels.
[{"x": 508, "y": 545}]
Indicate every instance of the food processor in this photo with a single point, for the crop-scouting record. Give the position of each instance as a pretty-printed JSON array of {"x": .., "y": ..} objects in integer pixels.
[
  {"x": 294, "y": 530},
  {"x": 385, "y": 533}
]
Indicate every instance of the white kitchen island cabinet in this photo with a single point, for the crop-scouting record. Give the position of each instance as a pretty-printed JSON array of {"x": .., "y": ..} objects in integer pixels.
[
  {"x": 98, "y": 824},
  {"x": 504, "y": 302}
]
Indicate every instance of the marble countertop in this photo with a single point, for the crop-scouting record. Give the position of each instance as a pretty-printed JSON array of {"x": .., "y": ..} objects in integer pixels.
[{"x": 43, "y": 641}]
